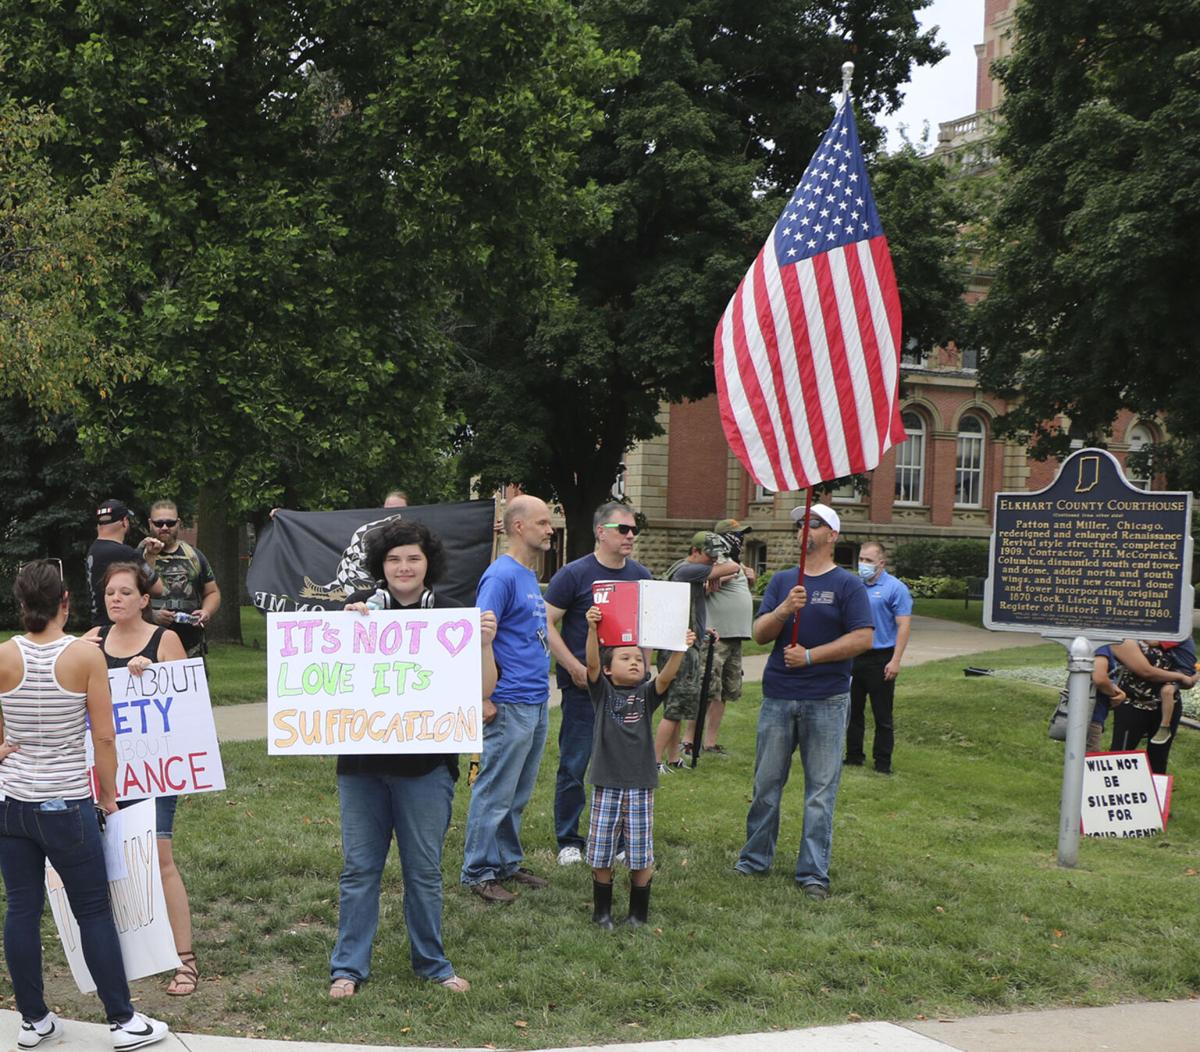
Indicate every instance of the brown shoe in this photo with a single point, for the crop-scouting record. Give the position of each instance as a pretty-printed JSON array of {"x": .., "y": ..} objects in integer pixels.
[
  {"x": 530, "y": 880},
  {"x": 492, "y": 891}
]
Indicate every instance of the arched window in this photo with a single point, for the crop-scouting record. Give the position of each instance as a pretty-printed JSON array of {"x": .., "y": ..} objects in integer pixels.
[
  {"x": 910, "y": 461},
  {"x": 1138, "y": 437},
  {"x": 968, "y": 463}
]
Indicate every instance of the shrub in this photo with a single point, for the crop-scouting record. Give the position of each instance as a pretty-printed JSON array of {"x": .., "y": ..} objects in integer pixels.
[
  {"x": 936, "y": 587},
  {"x": 962, "y": 557}
]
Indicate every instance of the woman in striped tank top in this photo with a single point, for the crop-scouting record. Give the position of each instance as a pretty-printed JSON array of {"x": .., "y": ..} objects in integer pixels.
[{"x": 48, "y": 683}]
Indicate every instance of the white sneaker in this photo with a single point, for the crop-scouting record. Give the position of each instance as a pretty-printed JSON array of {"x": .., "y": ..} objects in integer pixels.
[
  {"x": 137, "y": 1032},
  {"x": 33, "y": 1034},
  {"x": 569, "y": 855}
]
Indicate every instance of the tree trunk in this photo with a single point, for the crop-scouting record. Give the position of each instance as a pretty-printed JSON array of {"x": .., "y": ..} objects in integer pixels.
[{"x": 224, "y": 544}]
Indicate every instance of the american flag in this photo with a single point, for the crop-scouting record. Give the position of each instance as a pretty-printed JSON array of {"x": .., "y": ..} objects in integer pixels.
[{"x": 807, "y": 352}]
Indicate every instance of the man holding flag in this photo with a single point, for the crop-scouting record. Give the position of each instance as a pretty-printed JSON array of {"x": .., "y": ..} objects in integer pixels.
[
  {"x": 806, "y": 698},
  {"x": 807, "y": 358}
]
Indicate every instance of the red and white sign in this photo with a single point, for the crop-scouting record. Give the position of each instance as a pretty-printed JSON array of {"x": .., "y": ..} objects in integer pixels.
[
  {"x": 651, "y": 614},
  {"x": 166, "y": 737}
]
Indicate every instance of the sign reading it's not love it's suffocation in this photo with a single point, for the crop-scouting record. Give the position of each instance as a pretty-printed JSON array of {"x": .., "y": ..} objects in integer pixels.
[{"x": 389, "y": 681}]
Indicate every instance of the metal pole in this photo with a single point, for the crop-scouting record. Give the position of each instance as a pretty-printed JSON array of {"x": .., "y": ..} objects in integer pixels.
[{"x": 1080, "y": 658}]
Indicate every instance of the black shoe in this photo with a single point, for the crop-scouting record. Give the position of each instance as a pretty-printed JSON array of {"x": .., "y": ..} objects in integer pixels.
[
  {"x": 847, "y": 762},
  {"x": 883, "y": 768},
  {"x": 815, "y": 891},
  {"x": 639, "y": 905},
  {"x": 602, "y": 904}
]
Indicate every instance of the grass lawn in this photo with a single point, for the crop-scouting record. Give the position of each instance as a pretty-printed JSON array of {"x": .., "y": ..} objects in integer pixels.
[{"x": 946, "y": 899}]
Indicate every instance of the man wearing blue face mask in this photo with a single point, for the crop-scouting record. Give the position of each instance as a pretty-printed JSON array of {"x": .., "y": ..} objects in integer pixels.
[{"x": 875, "y": 670}]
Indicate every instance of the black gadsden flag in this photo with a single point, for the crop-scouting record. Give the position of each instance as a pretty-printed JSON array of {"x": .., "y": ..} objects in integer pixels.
[{"x": 313, "y": 560}]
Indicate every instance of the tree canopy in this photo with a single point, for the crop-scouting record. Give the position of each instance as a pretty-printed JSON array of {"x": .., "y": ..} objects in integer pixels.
[
  {"x": 720, "y": 118},
  {"x": 1093, "y": 308}
]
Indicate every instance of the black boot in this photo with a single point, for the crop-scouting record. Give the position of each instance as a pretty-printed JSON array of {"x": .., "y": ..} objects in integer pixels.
[
  {"x": 639, "y": 905},
  {"x": 602, "y": 904}
]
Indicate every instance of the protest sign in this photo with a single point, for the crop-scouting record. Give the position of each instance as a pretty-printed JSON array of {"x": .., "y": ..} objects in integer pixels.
[
  {"x": 389, "y": 681},
  {"x": 1119, "y": 796},
  {"x": 166, "y": 737},
  {"x": 135, "y": 891}
]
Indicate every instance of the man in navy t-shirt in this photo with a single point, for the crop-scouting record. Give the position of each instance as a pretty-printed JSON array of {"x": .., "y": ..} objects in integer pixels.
[
  {"x": 515, "y": 718},
  {"x": 806, "y": 698},
  {"x": 568, "y": 599}
]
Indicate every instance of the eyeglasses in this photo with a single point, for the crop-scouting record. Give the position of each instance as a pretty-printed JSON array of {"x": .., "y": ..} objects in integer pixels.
[
  {"x": 813, "y": 524},
  {"x": 623, "y": 527},
  {"x": 166, "y": 524}
]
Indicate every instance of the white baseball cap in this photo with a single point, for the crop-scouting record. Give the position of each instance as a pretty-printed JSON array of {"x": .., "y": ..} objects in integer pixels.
[{"x": 823, "y": 512}]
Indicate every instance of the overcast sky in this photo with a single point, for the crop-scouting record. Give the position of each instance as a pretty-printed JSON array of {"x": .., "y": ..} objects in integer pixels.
[{"x": 947, "y": 90}]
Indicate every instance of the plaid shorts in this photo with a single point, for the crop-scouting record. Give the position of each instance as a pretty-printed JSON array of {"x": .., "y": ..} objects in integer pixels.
[{"x": 613, "y": 810}]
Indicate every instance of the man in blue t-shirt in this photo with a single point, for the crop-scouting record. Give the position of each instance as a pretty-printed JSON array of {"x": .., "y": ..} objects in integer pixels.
[
  {"x": 875, "y": 670},
  {"x": 806, "y": 698},
  {"x": 515, "y": 717},
  {"x": 568, "y": 600}
]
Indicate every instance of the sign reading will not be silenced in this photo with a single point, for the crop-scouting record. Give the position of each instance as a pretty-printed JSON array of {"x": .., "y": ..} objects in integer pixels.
[{"x": 390, "y": 681}]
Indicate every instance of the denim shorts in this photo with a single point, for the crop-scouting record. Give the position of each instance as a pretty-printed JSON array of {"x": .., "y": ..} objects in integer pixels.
[{"x": 164, "y": 815}]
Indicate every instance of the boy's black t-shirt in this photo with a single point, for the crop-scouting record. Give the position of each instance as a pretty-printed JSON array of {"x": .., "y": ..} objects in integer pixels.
[{"x": 622, "y": 738}]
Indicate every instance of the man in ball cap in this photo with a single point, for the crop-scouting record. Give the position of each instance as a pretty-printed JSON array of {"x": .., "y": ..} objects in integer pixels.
[
  {"x": 112, "y": 523},
  {"x": 683, "y": 699},
  {"x": 730, "y": 609},
  {"x": 806, "y": 698}
]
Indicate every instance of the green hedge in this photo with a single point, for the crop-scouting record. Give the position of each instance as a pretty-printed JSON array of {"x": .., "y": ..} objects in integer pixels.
[{"x": 933, "y": 558}]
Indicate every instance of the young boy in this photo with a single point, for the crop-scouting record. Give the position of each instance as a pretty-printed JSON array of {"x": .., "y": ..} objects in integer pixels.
[{"x": 623, "y": 769}]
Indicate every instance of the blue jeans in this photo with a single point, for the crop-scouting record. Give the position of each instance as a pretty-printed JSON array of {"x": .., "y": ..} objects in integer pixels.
[
  {"x": 70, "y": 839},
  {"x": 417, "y": 810},
  {"x": 164, "y": 814},
  {"x": 512, "y": 750},
  {"x": 574, "y": 753},
  {"x": 818, "y": 727}
]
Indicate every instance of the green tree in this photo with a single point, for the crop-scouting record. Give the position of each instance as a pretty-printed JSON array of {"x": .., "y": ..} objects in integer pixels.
[
  {"x": 726, "y": 105},
  {"x": 61, "y": 255},
  {"x": 1093, "y": 308},
  {"x": 328, "y": 184},
  {"x": 923, "y": 212}
]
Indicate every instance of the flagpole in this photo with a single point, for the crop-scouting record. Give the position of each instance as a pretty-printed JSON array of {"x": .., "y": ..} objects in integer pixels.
[
  {"x": 847, "y": 77},
  {"x": 808, "y": 500}
]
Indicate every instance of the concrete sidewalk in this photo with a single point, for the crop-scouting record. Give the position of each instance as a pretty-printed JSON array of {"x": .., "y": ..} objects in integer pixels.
[
  {"x": 932, "y": 640},
  {"x": 1171, "y": 1026}
]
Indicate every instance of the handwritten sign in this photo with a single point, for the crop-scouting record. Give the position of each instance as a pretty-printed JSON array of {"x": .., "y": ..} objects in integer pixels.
[
  {"x": 166, "y": 737},
  {"x": 391, "y": 681},
  {"x": 1119, "y": 796},
  {"x": 136, "y": 896}
]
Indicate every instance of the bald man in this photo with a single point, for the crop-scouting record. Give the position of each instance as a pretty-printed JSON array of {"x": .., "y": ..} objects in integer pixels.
[{"x": 516, "y": 716}]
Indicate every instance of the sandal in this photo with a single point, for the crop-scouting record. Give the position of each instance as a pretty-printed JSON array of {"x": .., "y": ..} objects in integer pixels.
[
  {"x": 456, "y": 983},
  {"x": 186, "y": 977},
  {"x": 342, "y": 987}
]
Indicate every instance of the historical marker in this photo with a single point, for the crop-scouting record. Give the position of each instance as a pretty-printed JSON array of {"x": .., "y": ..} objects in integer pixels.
[{"x": 1091, "y": 555}]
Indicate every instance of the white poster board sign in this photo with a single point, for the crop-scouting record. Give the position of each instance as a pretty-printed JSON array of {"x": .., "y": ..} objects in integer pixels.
[
  {"x": 135, "y": 891},
  {"x": 649, "y": 614},
  {"x": 1119, "y": 796},
  {"x": 166, "y": 737},
  {"x": 389, "y": 681}
]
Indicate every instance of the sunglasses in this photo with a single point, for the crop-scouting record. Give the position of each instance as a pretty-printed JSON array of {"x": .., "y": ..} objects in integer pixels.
[
  {"x": 56, "y": 562},
  {"x": 623, "y": 527},
  {"x": 813, "y": 524},
  {"x": 166, "y": 524}
]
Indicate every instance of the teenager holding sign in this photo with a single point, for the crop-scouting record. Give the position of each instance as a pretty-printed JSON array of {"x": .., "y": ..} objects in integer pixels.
[
  {"x": 402, "y": 794},
  {"x": 132, "y": 642}
]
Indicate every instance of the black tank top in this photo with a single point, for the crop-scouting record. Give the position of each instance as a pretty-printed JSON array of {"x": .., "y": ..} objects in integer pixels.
[{"x": 150, "y": 650}]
